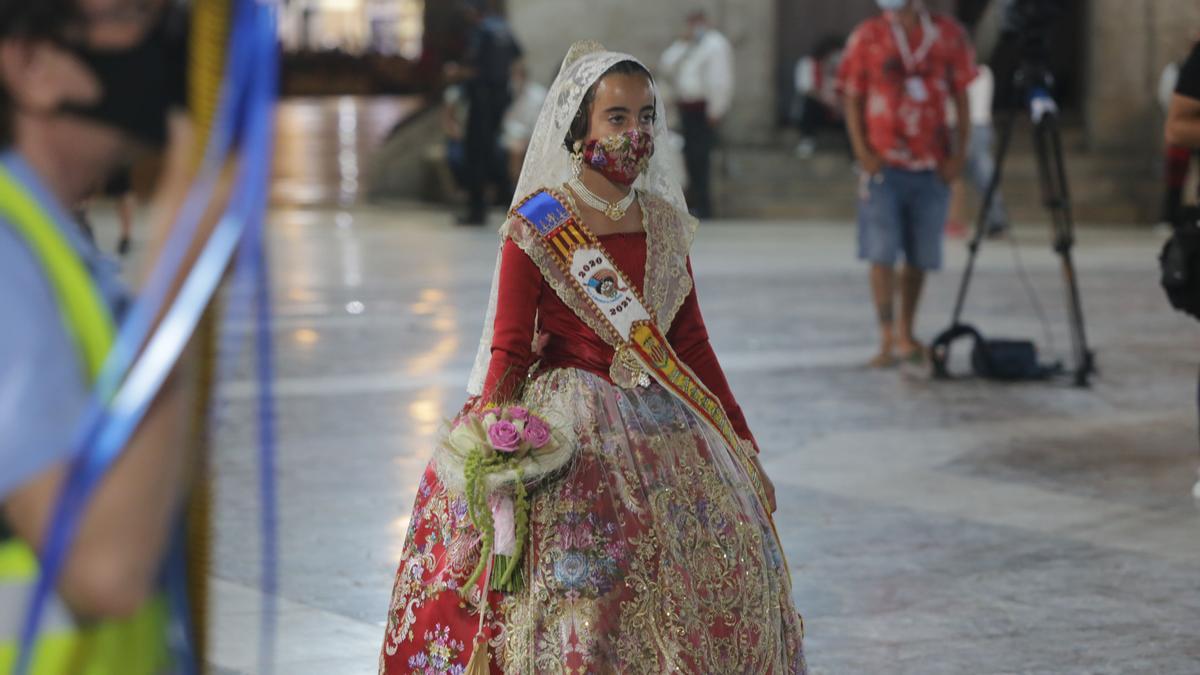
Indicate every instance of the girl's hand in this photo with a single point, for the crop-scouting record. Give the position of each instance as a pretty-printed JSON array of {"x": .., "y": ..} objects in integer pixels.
[{"x": 540, "y": 340}]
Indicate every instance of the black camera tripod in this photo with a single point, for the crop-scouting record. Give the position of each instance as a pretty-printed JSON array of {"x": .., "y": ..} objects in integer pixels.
[{"x": 1034, "y": 84}]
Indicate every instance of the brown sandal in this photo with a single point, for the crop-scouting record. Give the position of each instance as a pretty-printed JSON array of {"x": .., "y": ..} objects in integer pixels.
[
  {"x": 880, "y": 361},
  {"x": 918, "y": 356}
]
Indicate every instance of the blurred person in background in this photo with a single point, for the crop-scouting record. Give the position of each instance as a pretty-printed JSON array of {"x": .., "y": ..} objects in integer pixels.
[
  {"x": 899, "y": 70},
  {"x": 818, "y": 103},
  {"x": 1178, "y": 159},
  {"x": 980, "y": 162},
  {"x": 699, "y": 67},
  {"x": 485, "y": 74},
  {"x": 454, "y": 117},
  {"x": 83, "y": 83},
  {"x": 521, "y": 117}
]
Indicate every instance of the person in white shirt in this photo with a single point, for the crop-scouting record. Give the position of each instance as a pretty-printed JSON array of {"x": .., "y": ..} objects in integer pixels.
[
  {"x": 519, "y": 120},
  {"x": 980, "y": 164},
  {"x": 700, "y": 68}
]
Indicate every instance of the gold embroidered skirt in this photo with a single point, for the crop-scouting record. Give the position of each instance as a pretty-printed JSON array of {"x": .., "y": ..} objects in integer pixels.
[{"x": 650, "y": 554}]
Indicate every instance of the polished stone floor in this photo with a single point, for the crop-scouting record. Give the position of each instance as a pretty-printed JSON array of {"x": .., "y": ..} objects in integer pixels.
[{"x": 960, "y": 528}]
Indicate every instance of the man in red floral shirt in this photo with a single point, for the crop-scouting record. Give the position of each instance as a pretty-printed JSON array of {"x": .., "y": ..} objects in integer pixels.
[{"x": 899, "y": 70}]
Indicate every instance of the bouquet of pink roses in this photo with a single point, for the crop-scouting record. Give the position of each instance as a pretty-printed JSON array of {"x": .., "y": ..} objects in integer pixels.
[{"x": 493, "y": 457}]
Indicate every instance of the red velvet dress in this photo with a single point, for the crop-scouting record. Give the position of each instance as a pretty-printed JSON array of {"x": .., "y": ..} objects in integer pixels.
[
  {"x": 524, "y": 295},
  {"x": 650, "y": 555}
]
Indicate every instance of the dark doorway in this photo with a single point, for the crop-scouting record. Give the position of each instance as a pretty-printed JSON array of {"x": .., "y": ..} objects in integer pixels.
[{"x": 1067, "y": 42}]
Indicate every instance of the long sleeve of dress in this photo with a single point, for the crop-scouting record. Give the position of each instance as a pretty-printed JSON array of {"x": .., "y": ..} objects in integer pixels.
[
  {"x": 516, "y": 311},
  {"x": 689, "y": 337}
]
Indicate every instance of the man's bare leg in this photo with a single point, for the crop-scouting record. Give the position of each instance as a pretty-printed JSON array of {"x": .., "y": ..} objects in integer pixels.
[
  {"x": 912, "y": 281},
  {"x": 883, "y": 289}
]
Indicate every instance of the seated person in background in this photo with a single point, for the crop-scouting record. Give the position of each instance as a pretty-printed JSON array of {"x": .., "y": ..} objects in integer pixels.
[
  {"x": 818, "y": 104},
  {"x": 454, "y": 114},
  {"x": 517, "y": 128}
]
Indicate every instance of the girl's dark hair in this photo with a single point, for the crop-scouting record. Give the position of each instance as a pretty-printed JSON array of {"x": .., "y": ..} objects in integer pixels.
[
  {"x": 579, "y": 125},
  {"x": 31, "y": 20}
]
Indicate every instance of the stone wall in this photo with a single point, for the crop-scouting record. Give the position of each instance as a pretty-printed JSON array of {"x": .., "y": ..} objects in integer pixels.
[
  {"x": 645, "y": 28},
  {"x": 1129, "y": 44}
]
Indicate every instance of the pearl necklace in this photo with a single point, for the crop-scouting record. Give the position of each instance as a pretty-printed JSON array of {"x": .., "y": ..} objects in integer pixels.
[{"x": 614, "y": 210}]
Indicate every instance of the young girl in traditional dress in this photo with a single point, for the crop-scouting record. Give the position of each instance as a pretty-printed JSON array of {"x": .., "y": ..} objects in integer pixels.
[{"x": 654, "y": 550}]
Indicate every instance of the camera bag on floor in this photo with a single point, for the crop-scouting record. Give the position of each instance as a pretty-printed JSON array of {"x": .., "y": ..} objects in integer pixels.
[
  {"x": 1001, "y": 359},
  {"x": 1179, "y": 263}
]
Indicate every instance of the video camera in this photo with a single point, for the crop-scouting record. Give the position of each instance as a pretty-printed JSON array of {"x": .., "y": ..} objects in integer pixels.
[
  {"x": 1022, "y": 56},
  {"x": 1029, "y": 22}
]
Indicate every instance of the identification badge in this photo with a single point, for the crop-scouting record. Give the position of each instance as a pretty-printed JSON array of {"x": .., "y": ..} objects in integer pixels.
[{"x": 915, "y": 87}]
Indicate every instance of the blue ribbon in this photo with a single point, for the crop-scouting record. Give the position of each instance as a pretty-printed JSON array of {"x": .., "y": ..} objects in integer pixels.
[
  {"x": 129, "y": 382},
  {"x": 253, "y": 269}
]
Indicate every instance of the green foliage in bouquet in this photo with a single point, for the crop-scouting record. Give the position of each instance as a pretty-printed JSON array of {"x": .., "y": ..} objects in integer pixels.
[{"x": 493, "y": 458}]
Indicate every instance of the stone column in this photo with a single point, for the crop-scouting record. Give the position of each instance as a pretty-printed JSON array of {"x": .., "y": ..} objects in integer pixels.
[
  {"x": 1118, "y": 100},
  {"x": 1129, "y": 43},
  {"x": 750, "y": 26},
  {"x": 1174, "y": 27}
]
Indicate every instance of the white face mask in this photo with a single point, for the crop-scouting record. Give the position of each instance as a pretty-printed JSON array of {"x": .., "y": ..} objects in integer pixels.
[{"x": 891, "y": 5}]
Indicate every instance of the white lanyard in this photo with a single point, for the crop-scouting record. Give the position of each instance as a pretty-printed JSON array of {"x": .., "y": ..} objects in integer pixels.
[{"x": 928, "y": 36}]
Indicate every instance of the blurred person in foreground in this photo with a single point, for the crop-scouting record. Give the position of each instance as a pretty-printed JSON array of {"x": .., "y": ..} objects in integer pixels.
[
  {"x": 1183, "y": 124},
  {"x": 83, "y": 84},
  {"x": 700, "y": 68},
  {"x": 899, "y": 69},
  {"x": 119, "y": 188}
]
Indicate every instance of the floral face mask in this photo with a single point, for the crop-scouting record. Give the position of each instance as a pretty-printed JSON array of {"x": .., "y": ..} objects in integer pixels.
[{"x": 621, "y": 158}]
